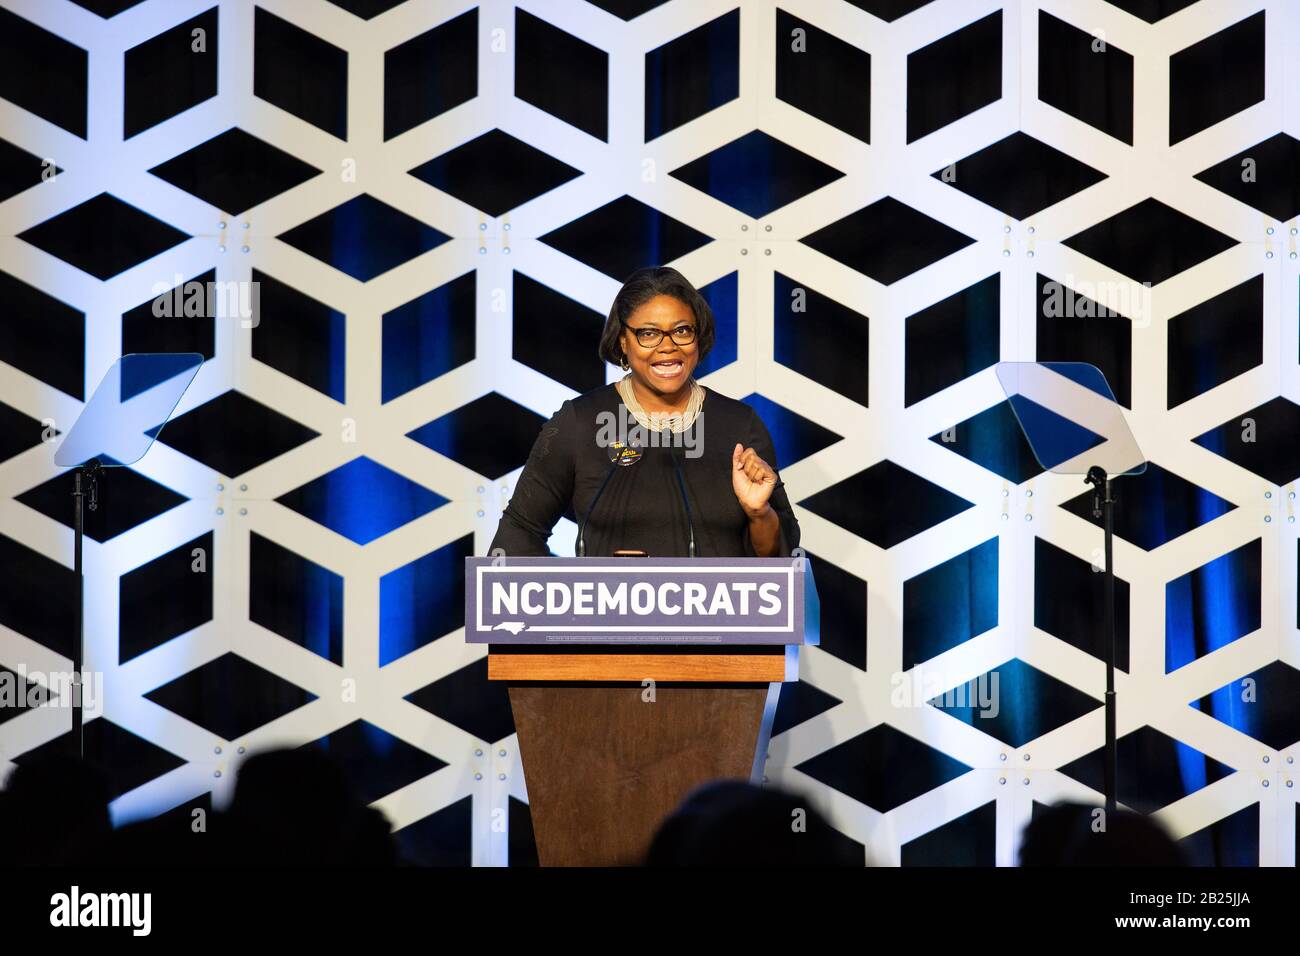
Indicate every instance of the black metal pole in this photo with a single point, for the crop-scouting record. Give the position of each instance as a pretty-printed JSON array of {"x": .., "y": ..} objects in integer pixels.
[
  {"x": 77, "y": 742},
  {"x": 1103, "y": 506},
  {"x": 1112, "y": 746}
]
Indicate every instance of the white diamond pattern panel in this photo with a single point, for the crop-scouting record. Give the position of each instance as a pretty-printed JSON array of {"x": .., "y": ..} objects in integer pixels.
[{"x": 756, "y": 248}]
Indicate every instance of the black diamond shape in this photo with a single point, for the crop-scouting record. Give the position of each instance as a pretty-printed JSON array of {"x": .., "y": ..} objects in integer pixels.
[
  {"x": 627, "y": 9},
  {"x": 623, "y": 235},
  {"x": 954, "y": 76},
  {"x": 1260, "y": 705},
  {"x": 1069, "y": 603},
  {"x": 174, "y": 331},
  {"x": 1230, "y": 841},
  {"x": 466, "y": 698},
  {"x": 824, "y": 76},
  {"x": 18, "y": 432},
  {"x": 429, "y": 336},
  {"x": 756, "y": 174},
  {"x": 883, "y": 768},
  {"x": 1215, "y": 341},
  {"x": 1015, "y": 703},
  {"x": 374, "y": 760},
  {"x": 165, "y": 597},
  {"x": 301, "y": 337},
  {"x": 887, "y": 240},
  {"x": 1154, "y": 770},
  {"x": 235, "y": 171},
  {"x": 951, "y": 340},
  {"x": 495, "y": 172},
  {"x": 21, "y": 170},
  {"x": 127, "y": 760},
  {"x": 165, "y": 76},
  {"x": 843, "y": 624},
  {"x": 820, "y": 338},
  {"x": 103, "y": 236},
  {"x": 300, "y": 73},
  {"x": 800, "y": 702},
  {"x": 1074, "y": 328},
  {"x": 1154, "y": 507},
  {"x": 1260, "y": 440},
  {"x": 969, "y": 840},
  {"x": 431, "y": 73},
  {"x": 692, "y": 74},
  {"x": 443, "y": 838},
  {"x": 545, "y": 345},
  {"x": 491, "y": 435},
  {"x": 295, "y": 598},
  {"x": 43, "y": 73},
  {"x": 915, "y": 504},
  {"x": 126, "y": 499},
  {"x": 26, "y": 694},
  {"x": 1216, "y": 78},
  {"x": 1213, "y": 605},
  {"x": 367, "y": 9},
  {"x": 423, "y": 600},
  {"x": 364, "y": 237},
  {"x": 561, "y": 74},
  {"x": 1271, "y": 186},
  {"x": 330, "y": 500},
  {"x": 38, "y": 596},
  {"x": 1020, "y": 175},
  {"x": 1151, "y": 11},
  {"x": 796, "y": 437},
  {"x": 1150, "y": 242},
  {"x": 1090, "y": 81},
  {"x": 230, "y": 696},
  {"x": 107, "y": 8},
  {"x": 42, "y": 336},
  {"x": 950, "y": 603},
  {"x": 889, "y": 10},
  {"x": 233, "y": 433},
  {"x": 993, "y": 439}
]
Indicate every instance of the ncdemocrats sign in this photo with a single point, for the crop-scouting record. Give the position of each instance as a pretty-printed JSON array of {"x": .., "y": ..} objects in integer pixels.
[{"x": 536, "y": 600}]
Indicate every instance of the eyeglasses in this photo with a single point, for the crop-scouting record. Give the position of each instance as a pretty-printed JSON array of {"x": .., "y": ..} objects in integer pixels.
[{"x": 649, "y": 337}]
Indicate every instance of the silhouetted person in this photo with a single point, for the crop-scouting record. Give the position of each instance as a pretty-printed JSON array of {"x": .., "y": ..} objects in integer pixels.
[
  {"x": 54, "y": 812},
  {"x": 733, "y": 823},
  {"x": 295, "y": 808},
  {"x": 1068, "y": 834}
]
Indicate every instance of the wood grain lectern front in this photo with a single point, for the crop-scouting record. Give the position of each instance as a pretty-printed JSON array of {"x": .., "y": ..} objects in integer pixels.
[{"x": 635, "y": 680}]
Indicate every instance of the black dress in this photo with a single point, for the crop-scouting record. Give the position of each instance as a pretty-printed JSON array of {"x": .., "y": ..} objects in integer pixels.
[{"x": 641, "y": 507}]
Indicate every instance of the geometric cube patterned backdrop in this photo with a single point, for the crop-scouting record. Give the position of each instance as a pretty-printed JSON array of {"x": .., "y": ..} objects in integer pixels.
[{"x": 880, "y": 199}]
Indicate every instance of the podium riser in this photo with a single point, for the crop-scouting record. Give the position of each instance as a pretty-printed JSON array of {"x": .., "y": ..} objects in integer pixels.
[
  {"x": 720, "y": 667},
  {"x": 605, "y": 766}
]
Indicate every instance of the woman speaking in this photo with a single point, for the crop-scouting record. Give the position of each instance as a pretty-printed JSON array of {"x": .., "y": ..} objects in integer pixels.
[{"x": 654, "y": 463}]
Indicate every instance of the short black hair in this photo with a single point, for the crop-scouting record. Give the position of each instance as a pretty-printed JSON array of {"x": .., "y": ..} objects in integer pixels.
[{"x": 639, "y": 288}]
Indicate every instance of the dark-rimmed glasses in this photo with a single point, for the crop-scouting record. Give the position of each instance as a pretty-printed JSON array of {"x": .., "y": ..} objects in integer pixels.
[{"x": 649, "y": 337}]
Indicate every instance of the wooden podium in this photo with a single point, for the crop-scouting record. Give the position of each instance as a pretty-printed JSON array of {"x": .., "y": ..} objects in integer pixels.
[{"x": 613, "y": 736}]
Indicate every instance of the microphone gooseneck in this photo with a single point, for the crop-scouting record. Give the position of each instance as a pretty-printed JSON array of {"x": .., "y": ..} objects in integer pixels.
[{"x": 619, "y": 454}]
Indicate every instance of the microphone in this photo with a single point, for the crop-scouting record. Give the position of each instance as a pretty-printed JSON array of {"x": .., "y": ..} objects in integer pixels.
[
  {"x": 681, "y": 486},
  {"x": 619, "y": 454}
]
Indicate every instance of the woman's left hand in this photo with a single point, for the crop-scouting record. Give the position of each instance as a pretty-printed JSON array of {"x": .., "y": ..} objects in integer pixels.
[{"x": 752, "y": 479}]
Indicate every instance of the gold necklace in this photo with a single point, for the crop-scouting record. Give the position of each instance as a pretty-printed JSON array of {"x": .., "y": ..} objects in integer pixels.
[{"x": 678, "y": 422}]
